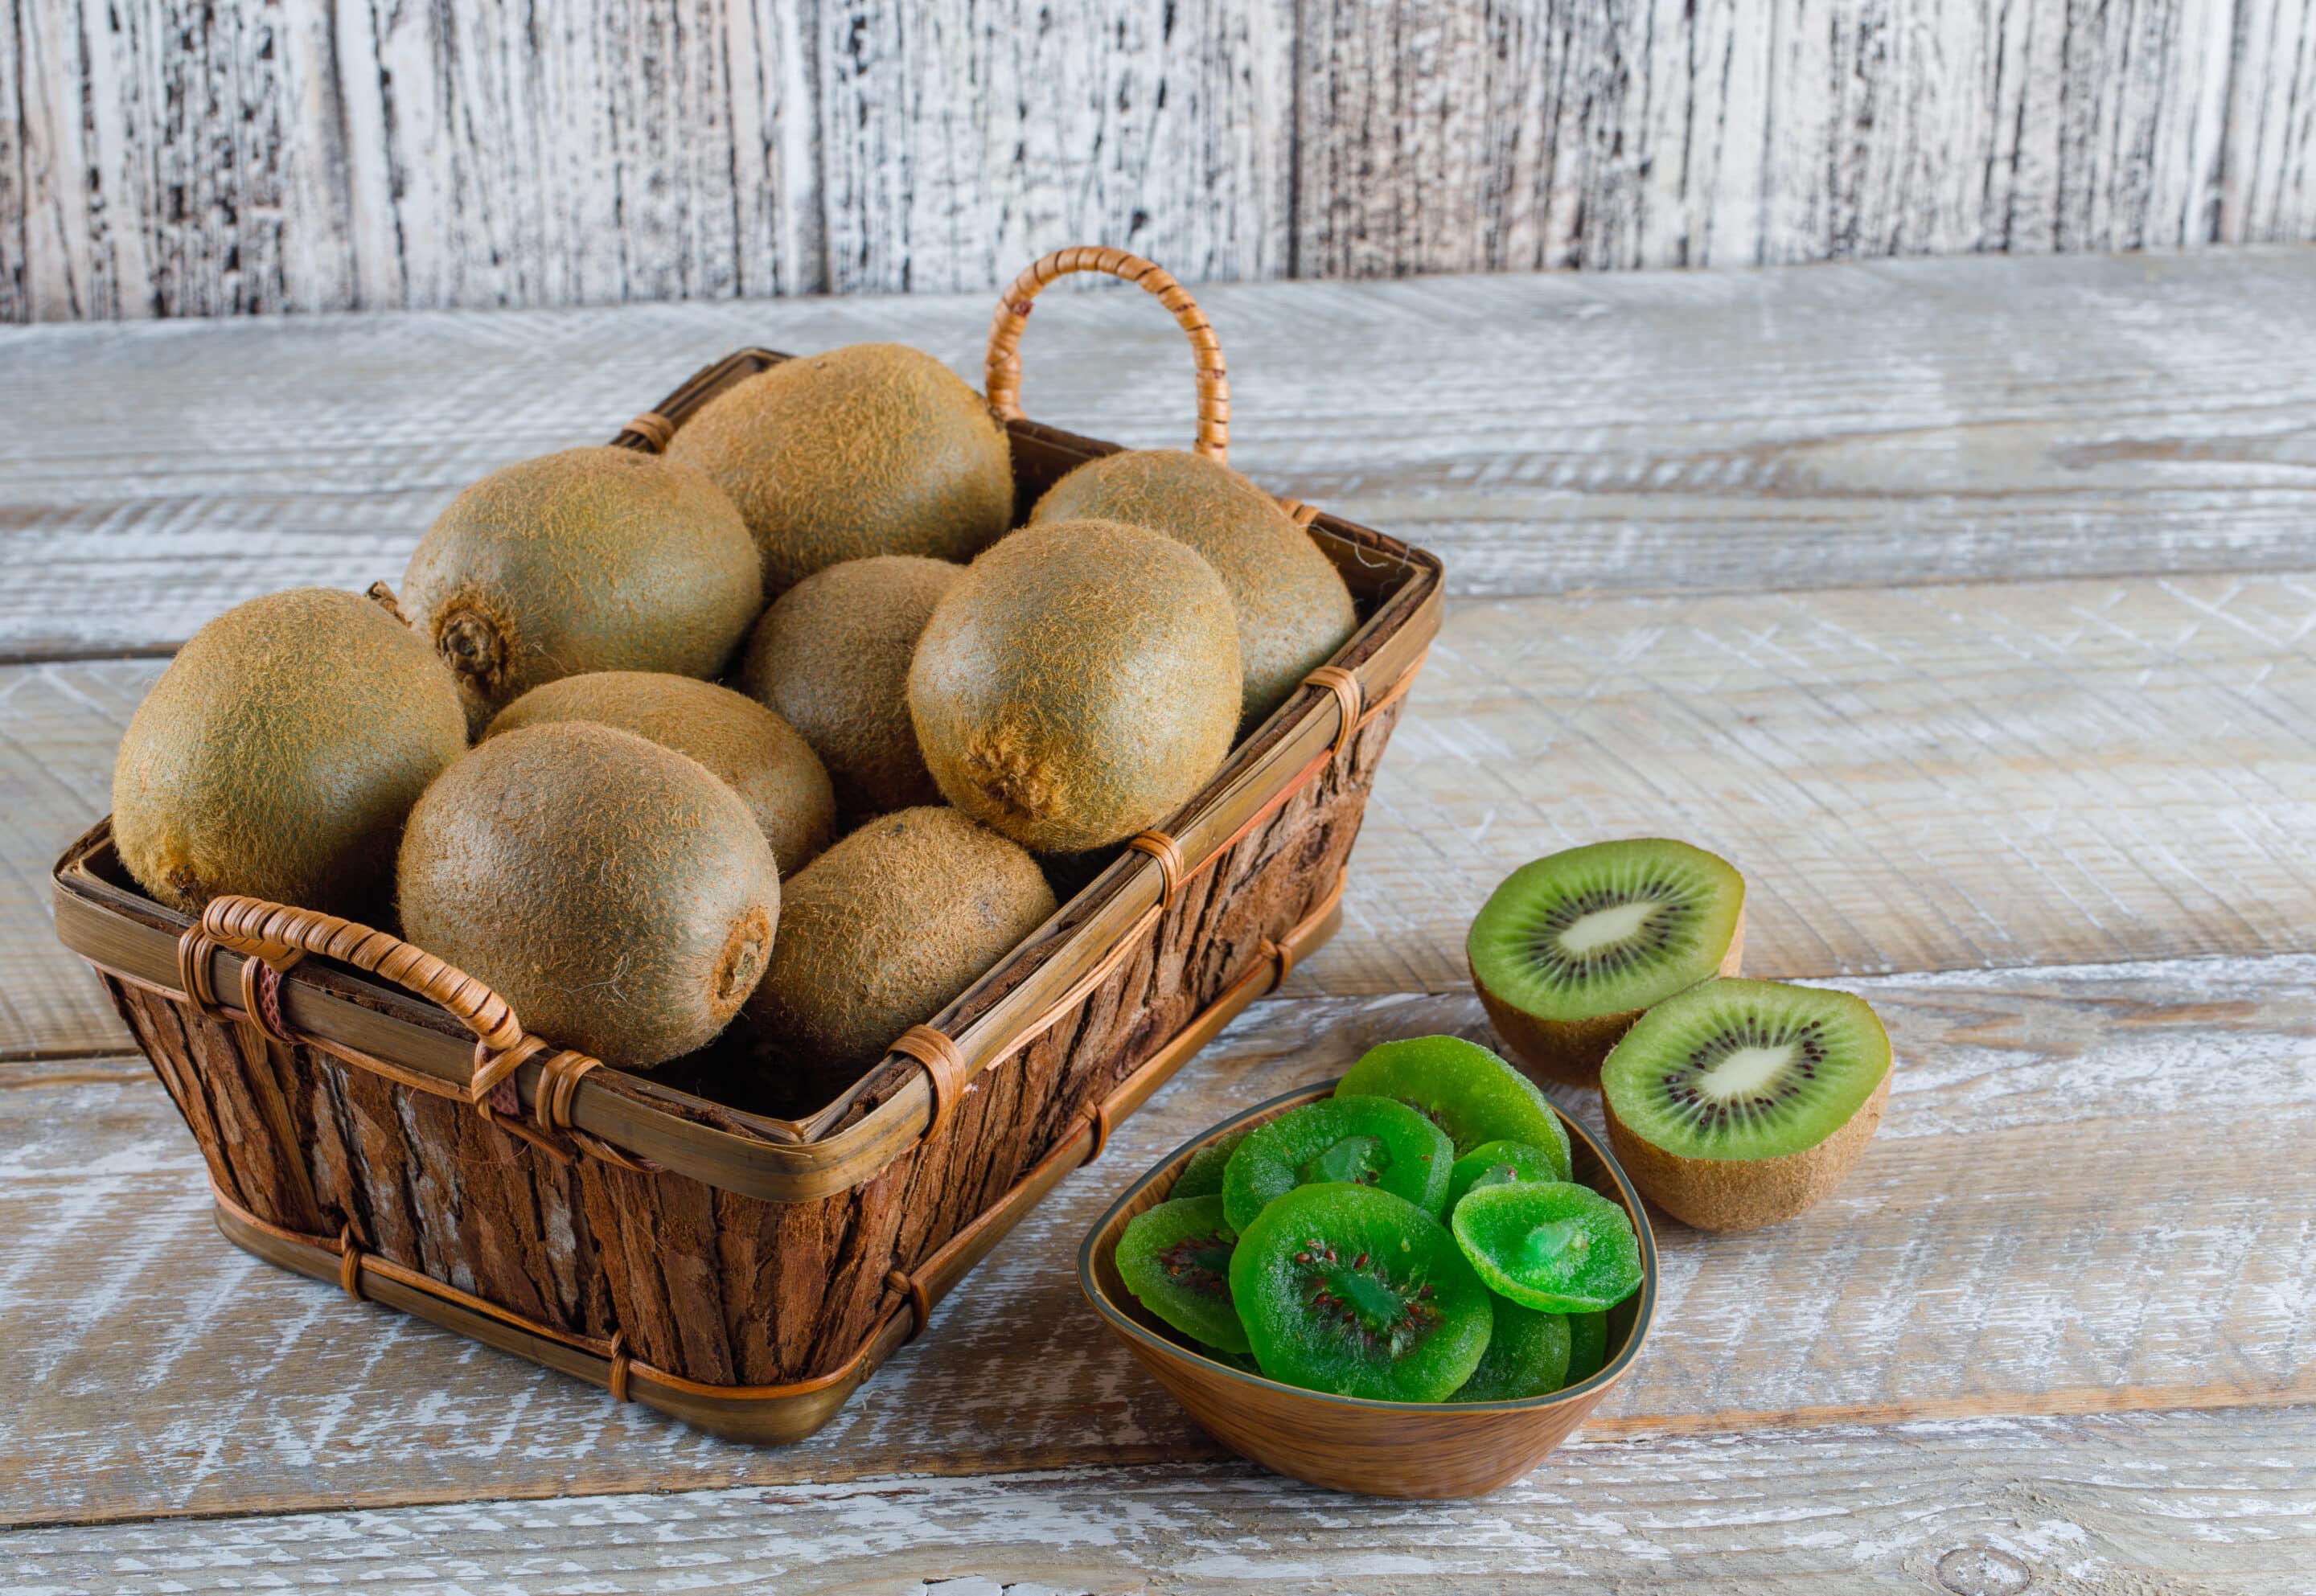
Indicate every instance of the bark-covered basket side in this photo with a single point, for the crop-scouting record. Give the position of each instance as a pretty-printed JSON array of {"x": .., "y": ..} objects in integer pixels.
[{"x": 713, "y": 1285}]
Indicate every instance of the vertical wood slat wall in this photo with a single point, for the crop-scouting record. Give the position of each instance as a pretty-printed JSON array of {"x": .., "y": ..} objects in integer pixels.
[{"x": 187, "y": 158}]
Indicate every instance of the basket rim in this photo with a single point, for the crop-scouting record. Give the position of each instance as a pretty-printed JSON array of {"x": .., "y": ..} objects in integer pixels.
[{"x": 883, "y": 1111}]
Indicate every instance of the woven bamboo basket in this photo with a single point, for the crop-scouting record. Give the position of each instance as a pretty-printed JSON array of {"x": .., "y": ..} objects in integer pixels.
[{"x": 372, "y": 1117}]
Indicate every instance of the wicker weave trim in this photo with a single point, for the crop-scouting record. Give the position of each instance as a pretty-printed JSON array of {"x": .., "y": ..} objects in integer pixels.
[
  {"x": 1346, "y": 688},
  {"x": 350, "y": 1262},
  {"x": 1003, "y": 366},
  {"x": 920, "y": 1307},
  {"x": 623, "y": 1364},
  {"x": 1163, "y": 848},
  {"x": 1099, "y": 1113},
  {"x": 653, "y": 429},
  {"x": 945, "y": 1070},
  {"x": 261, "y": 997}
]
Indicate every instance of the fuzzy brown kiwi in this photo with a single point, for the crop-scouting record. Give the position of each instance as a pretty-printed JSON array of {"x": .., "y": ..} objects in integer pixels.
[
  {"x": 881, "y": 931},
  {"x": 1293, "y": 609},
  {"x": 617, "y": 893},
  {"x": 746, "y": 746},
  {"x": 1078, "y": 684},
  {"x": 871, "y": 449},
  {"x": 279, "y": 753},
  {"x": 831, "y": 657},
  {"x": 593, "y": 559}
]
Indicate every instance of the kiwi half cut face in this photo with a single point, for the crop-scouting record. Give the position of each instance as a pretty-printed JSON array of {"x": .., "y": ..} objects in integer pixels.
[
  {"x": 1739, "y": 1103},
  {"x": 1363, "y": 1141},
  {"x": 1527, "y": 1356},
  {"x": 1350, "y": 1289},
  {"x": 1570, "y": 949},
  {"x": 1176, "y": 1258},
  {"x": 1469, "y": 1093},
  {"x": 1555, "y": 1246}
]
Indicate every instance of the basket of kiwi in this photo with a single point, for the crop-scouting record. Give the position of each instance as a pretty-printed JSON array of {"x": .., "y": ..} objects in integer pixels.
[
  {"x": 740, "y": 868},
  {"x": 1414, "y": 1281}
]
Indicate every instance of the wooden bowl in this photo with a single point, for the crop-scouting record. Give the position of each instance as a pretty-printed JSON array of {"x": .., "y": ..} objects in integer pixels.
[{"x": 1376, "y": 1448}]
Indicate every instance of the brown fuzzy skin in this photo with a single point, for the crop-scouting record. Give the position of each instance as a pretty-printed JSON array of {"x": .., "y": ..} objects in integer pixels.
[
  {"x": 593, "y": 560},
  {"x": 1078, "y": 684},
  {"x": 613, "y": 890},
  {"x": 1570, "y": 1053},
  {"x": 279, "y": 753},
  {"x": 831, "y": 657},
  {"x": 747, "y": 747},
  {"x": 871, "y": 449},
  {"x": 1744, "y": 1193},
  {"x": 887, "y": 927},
  {"x": 1293, "y": 609}
]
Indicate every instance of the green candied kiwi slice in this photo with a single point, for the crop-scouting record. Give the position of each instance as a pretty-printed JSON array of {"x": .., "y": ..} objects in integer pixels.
[
  {"x": 1606, "y": 929},
  {"x": 1352, "y": 1290},
  {"x": 1499, "y": 1164},
  {"x": 1587, "y": 1345},
  {"x": 1527, "y": 1356},
  {"x": 1202, "y": 1175},
  {"x": 1557, "y": 1247},
  {"x": 1176, "y": 1259},
  {"x": 1469, "y": 1093},
  {"x": 1364, "y": 1141}
]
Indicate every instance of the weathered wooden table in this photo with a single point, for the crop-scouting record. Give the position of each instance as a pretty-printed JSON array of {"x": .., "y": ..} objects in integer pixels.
[{"x": 1968, "y": 606}]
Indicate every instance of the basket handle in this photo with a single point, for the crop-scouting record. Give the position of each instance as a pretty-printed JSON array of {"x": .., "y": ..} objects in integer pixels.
[
  {"x": 281, "y": 936},
  {"x": 1004, "y": 368}
]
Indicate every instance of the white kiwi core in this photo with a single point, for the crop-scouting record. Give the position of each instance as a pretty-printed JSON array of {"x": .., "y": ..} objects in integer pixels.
[
  {"x": 1745, "y": 1071},
  {"x": 1605, "y": 928}
]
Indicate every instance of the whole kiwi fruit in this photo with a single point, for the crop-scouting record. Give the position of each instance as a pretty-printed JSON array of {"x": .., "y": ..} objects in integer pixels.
[
  {"x": 1293, "y": 609},
  {"x": 279, "y": 753},
  {"x": 871, "y": 449},
  {"x": 881, "y": 931},
  {"x": 744, "y": 745},
  {"x": 613, "y": 890},
  {"x": 831, "y": 656},
  {"x": 593, "y": 559},
  {"x": 1078, "y": 684}
]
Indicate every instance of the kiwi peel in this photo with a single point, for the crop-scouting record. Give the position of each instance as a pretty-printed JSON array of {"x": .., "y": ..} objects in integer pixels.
[
  {"x": 1741, "y": 1103},
  {"x": 1570, "y": 950},
  {"x": 1369, "y": 1141}
]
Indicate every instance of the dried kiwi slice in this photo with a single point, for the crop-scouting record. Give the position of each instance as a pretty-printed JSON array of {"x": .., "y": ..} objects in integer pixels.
[
  {"x": 1569, "y": 949},
  {"x": 1366, "y": 1141},
  {"x": 1469, "y": 1093},
  {"x": 1202, "y": 1175},
  {"x": 1555, "y": 1246},
  {"x": 1739, "y": 1103},
  {"x": 1500, "y": 1164},
  {"x": 1353, "y": 1290},
  {"x": 1588, "y": 1346},
  {"x": 1176, "y": 1258},
  {"x": 1527, "y": 1356}
]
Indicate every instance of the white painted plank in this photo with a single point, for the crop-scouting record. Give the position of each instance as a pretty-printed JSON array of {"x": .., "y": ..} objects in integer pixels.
[
  {"x": 2175, "y": 1503},
  {"x": 2090, "y": 1193},
  {"x": 1840, "y": 425}
]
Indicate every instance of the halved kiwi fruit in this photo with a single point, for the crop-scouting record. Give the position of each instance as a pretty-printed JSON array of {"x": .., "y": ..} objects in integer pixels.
[
  {"x": 1367, "y": 1141},
  {"x": 1502, "y": 1164},
  {"x": 1175, "y": 1258},
  {"x": 1350, "y": 1290},
  {"x": 1555, "y": 1246},
  {"x": 1570, "y": 950},
  {"x": 1469, "y": 1093},
  {"x": 1527, "y": 1356},
  {"x": 1202, "y": 1175},
  {"x": 1739, "y": 1103}
]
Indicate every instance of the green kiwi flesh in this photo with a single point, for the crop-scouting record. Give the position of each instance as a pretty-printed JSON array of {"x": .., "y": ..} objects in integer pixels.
[
  {"x": 1469, "y": 1093},
  {"x": 1350, "y": 1289},
  {"x": 1369, "y": 1141},
  {"x": 1555, "y": 1246},
  {"x": 889, "y": 926},
  {"x": 1739, "y": 1103},
  {"x": 831, "y": 658},
  {"x": 1175, "y": 1258},
  {"x": 1293, "y": 610},
  {"x": 1500, "y": 1164},
  {"x": 744, "y": 745},
  {"x": 1570, "y": 948},
  {"x": 871, "y": 448},
  {"x": 619, "y": 897},
  {"x": 1527, "y": 1356},
  {"x": 593, "y": 559},
  {"x": 1202, "y": 1173},
  {"x": 279, "y": 753},
  {"x": 1077, "y": 684},
  {"x": 1587, "y": 1345}
]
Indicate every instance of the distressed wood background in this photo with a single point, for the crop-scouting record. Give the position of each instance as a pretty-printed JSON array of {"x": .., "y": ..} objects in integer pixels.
[{"x": 188, "y": 157}]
